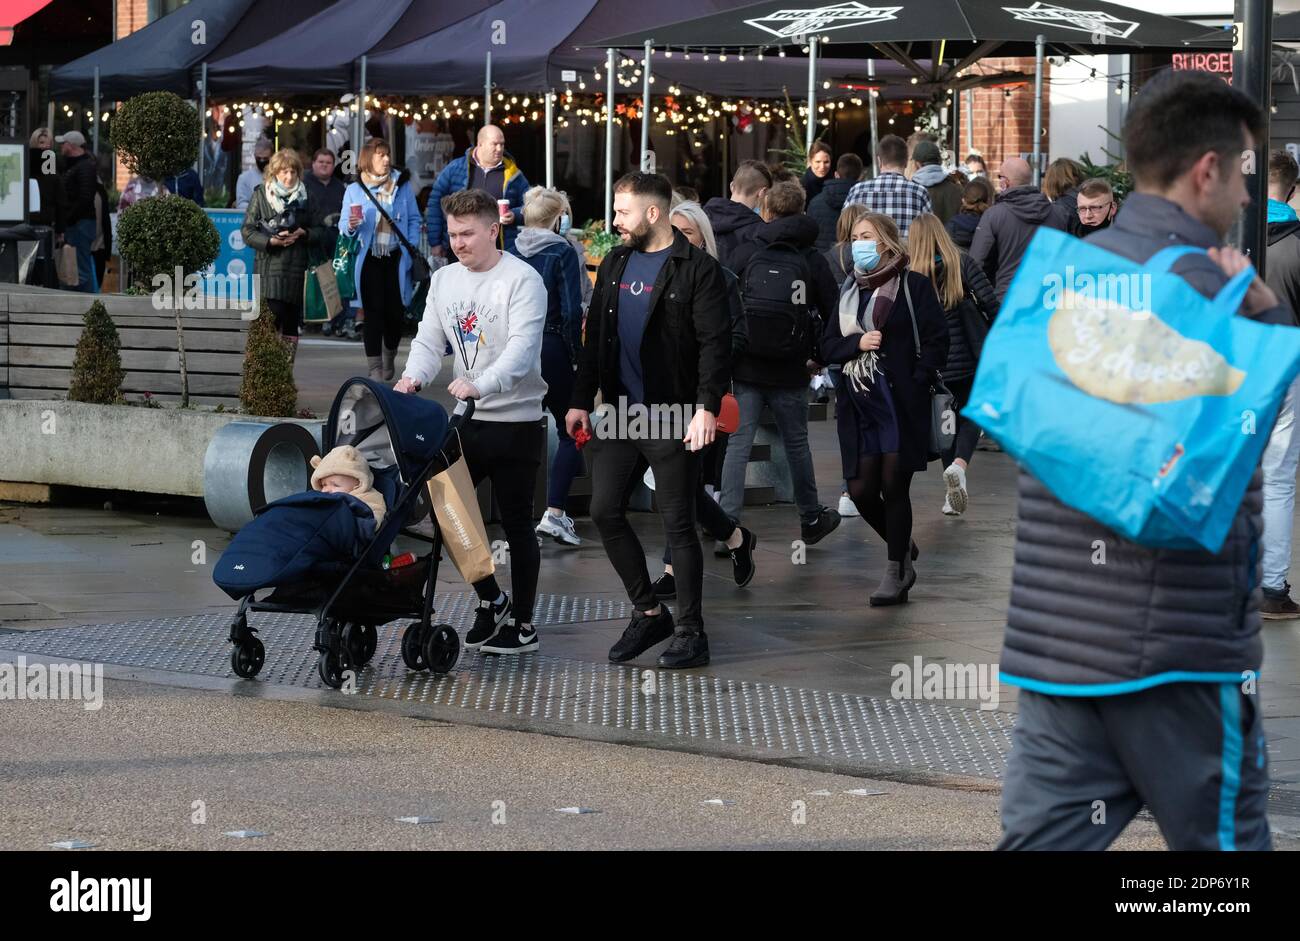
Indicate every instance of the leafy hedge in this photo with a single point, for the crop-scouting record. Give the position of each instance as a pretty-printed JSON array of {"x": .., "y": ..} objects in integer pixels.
[
  {"x": 156, "y": 134},
  {"x": 267, "y": 387},
  {"x": 97, "y": 368},
  {"x": 157, "y": 234}
]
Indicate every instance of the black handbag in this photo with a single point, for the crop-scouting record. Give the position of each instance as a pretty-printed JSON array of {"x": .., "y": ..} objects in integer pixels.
[
  {"x": 943, "y": 419},
  {"x": 285, "y": 221},
  {"x": 420, "y": 272}
]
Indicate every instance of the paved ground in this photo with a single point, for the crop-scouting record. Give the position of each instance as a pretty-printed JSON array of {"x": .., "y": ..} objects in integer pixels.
[
  {"x": 797, "y": 626},
  {"x": 309, "y": 777}
]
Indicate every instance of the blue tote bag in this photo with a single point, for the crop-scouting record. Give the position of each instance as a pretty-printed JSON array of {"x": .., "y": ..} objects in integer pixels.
[{"x": 1130, "y": 395}]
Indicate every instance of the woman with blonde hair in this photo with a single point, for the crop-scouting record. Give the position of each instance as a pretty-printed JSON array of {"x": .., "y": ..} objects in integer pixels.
[
  {"x": 840, "y": 256},
  {"x": 969, "y": 305},
  {"x": 883, "y": 418},
  {"x": 378, "y": 206},
  {"x": 276, "y": 225},
  {"x": 542, "y": 243}
]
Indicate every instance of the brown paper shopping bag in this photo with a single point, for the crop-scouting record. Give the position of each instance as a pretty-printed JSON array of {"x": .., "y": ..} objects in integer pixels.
[
  {"x": 65, "y": 262},
  {"x": 463, "y": 534}
]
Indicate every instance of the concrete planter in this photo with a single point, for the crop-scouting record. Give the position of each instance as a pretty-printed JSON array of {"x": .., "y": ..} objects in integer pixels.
[{"x": 111, "y": 447}]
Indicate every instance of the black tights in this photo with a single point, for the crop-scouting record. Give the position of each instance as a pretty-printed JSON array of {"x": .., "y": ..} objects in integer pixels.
[{"x": 880, "y": 492}]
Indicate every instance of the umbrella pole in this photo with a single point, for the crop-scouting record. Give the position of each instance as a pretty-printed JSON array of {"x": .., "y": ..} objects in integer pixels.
[
  {"x": 487, "y": 90},
  {"x": 609, "y": 139},
  {"x": 1039, "y": 43},
  {"x": 1251, "y": 73},
  {"x": 94, "y": 127},
  {"x": 645, "y": 110},
  {"x": 550, "y": 138},
  {"x": 203, "y": 116},
  {"x": 358, "y": 139},
  {"x": 812, "y": 94},
  {"x": 871, "y": 96}
]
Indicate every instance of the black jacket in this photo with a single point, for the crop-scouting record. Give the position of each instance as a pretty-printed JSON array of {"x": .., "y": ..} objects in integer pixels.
[
  {"x": 1148, "y": 615},
  {"x": 968, "y": 320},
  {"x": 1066, "y": 210},
  {"x": 686, "y": 347},
  {"x": 909, "y": 377},
  {"x": 79, "y": 181},
  {"x": 962, "y": 228},
  {"x": 839, "y": 258},
  {"x": 739, "y": 329},
  {"x": 823, "y": 299},
  {"x": 825, "y": 208},
  {"x": 732, "y": 223},
  {"x": 813, "y": 184}
]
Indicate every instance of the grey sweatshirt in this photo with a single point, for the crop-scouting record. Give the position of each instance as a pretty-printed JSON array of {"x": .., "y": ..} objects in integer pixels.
[{"x": 493, "y": 321}]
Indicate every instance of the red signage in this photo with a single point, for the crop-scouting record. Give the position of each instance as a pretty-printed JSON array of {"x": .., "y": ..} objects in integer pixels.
[{"x": 1220, "y": 63}]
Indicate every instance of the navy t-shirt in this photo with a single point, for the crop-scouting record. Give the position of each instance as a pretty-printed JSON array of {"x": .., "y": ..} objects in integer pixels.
[{"x": 635, "y": 295}]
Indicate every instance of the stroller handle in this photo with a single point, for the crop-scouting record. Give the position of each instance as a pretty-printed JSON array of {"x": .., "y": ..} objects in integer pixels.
[{"x": 462, "y": 413}]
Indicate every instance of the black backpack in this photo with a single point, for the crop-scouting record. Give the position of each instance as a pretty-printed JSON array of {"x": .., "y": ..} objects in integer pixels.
[{"x": 778, "y": 327}]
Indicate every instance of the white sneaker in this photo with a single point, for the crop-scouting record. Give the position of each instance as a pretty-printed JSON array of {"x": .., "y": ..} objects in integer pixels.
[
  {"x": 955, "y": 479},
  {"x": 559, "y": 528},
  {"x": 846, "y": 506},
  {"x": 947, "y": 508}
]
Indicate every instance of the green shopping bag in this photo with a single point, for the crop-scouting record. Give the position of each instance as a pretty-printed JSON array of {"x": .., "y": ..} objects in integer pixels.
[
  {"x": 320, "y": 294},
  {"x": 346, "y": 249}
]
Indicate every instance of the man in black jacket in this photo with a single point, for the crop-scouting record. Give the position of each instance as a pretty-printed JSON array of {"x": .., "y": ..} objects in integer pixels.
[
  {"x": 824, "y": 208},
  {"x": 734, "y": 219},
  {"x": 783, "y": 281},
  {"x": 1007, "y": 227},
  {"x": 657, "y": 343},
  {"x": 76, "y": 221},
  {"x": 1138, "y": 667}
]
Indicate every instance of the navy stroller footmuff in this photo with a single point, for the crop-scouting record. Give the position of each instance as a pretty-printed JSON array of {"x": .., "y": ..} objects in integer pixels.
[{"x": 304, "y": 535}]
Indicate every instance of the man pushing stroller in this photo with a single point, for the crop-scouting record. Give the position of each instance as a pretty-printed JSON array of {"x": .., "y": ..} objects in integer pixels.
[{"x": 491, "y": 307}]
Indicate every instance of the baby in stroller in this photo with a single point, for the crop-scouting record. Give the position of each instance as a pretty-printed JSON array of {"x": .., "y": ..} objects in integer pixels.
[{"x": 344, "y": 470}]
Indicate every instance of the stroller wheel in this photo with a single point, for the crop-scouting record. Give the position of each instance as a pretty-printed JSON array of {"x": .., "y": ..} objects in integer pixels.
[
  {"x": 361, "y": 640},
  {"x": 441, "y": 648},
  {"x": 247, "y": 658},
  {"x": 332, "y": 668},
  {"x": 413, "y": 646}
]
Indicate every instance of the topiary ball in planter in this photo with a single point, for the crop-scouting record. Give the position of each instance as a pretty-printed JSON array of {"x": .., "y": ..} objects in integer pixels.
[
  {"x": 267, "y": 387},
  {"x": 156, "y": 134},
  {"x": 97, "y": 369},
  {"x": 158, "y": 234}
]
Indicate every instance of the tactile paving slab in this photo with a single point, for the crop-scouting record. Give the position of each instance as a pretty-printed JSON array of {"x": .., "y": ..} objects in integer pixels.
[{"x": 916, "y": 736}]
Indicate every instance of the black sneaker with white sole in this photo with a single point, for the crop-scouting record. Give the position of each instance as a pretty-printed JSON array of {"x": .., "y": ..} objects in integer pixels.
[
  {"x": 513, "y": 638},
  {"x": 487, "y": 621},
  {"x": 742, "y": 558}
]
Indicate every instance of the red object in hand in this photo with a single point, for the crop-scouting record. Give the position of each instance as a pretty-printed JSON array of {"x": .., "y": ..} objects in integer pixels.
[
  {"x": 581, "y": 438},
  {"x": 406, "y": 558}
]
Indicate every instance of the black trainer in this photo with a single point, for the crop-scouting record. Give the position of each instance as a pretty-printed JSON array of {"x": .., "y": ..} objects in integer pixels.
[
  {"x": 642, "y": 633},
  {"x": 487, "y": 621},
  {"x": 513, "y": 638},
  {"x": 825, "y": 524},
  {"x": 1277, "y": 605},
  {"x": 688, "y": 649},
  {"x": 665, "y": 587},
  {"x": 742, "y": 558}
]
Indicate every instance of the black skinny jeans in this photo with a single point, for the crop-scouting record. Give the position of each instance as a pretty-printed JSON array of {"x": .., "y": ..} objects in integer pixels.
[
  {"x": 968, "y": 433},
  {"x": 509, "y": 454},
  {"x": 381, "y": 299}
]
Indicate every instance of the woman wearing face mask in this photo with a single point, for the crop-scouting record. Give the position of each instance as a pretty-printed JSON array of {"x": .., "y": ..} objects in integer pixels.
[
  {"x": 969, "y": 305},
  {"x": 884, "y": 424},
  {"x": 276, "y": 225},
  {"x": 543, "y": 244}
]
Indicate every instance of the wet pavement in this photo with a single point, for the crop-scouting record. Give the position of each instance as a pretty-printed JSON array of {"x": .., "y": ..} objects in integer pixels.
[{"x": 801, "y": 666}]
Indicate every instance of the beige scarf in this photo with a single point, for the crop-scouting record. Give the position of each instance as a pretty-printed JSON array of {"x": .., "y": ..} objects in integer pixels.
[{"x": 384, "y": 239}]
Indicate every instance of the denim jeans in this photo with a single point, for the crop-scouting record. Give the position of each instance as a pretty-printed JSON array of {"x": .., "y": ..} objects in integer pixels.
[
  {"x": 1279, "y": 466},
  {"x": 80, "y": 235},
  {"x": 790, "y": 409}
]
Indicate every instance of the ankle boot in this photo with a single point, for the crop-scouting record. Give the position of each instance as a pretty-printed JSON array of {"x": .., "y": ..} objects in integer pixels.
[
  {"x": 390, "y": 364},
  {"x": 899, "y": 577},
  {"x": 376, "y": 365}
]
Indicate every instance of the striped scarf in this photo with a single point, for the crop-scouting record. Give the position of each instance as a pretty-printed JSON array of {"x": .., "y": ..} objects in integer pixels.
[
  {"x": 883, "y": 283},
  {"x": 384, "y": 189}
]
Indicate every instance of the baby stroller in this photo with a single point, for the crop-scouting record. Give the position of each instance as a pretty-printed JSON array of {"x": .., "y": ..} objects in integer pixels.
[{"x": 306, "y": 548}]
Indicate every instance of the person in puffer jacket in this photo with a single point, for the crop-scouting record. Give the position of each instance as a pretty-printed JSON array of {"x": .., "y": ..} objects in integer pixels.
[
  {"x": 542, "y": 243},
  {"x": 1138, "y": 667}
]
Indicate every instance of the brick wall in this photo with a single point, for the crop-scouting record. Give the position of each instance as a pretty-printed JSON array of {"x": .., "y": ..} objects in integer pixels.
[
  {"x": 131, "y": 16},
  {"x": 1004, "y": 126}
]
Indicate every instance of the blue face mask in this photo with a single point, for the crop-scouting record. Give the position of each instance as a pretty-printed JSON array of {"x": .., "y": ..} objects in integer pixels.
[
  {"x": 758, "y": 210},
  {"x": 565, "y": 224},
  {"x": 865, "y": 256}
]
